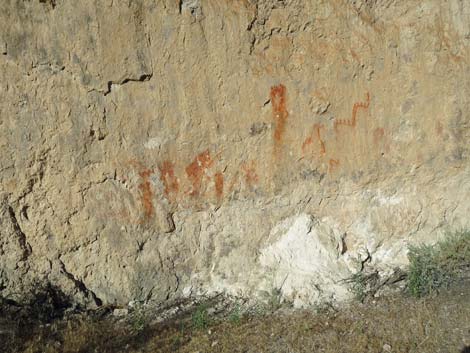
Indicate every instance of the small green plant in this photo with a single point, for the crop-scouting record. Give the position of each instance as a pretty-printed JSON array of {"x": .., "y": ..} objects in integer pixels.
[
  {"x": 275, "y": 299},
  {"x": 454, "y": 252},
  {"x": 434, "y": 267},
  {"x": 200, "y": 317},
  {"x": 425, "y": 275},
  {"x": 138, "y": 322},
  {"x": 258, "y": 309},
  {"x": 176, "y": 342},
  {"x": 235, "y": 315},
  {"x": 358, "y": 286},
  {"x": 178, "y": 339},
  {"x": 363, "y": 284}
]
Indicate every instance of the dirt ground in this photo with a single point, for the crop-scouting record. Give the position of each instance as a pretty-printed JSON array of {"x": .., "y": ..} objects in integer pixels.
[{"x": 398, "y": 323}]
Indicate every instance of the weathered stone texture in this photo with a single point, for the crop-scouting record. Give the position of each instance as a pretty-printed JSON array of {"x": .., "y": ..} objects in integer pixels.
[{"x": 158, "y": 149}]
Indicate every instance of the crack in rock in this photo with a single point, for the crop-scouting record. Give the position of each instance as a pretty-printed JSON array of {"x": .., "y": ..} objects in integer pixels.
[
  {"x": 21, "y": 235},
  {"x": 80, "y": 285},
  {"x": 142, "y": 78}
]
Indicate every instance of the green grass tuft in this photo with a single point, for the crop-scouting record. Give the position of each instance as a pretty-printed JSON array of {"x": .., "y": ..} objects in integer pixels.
[
  {"x": 434, "y": 267},
  {"x": 200, "y": 318},
  {"x": 358, "y": 286},
  {"x": 235, "y": 315}
]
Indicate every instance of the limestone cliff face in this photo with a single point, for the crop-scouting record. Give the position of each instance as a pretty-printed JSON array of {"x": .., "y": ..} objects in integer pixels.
[{"x": 157, "y": 149}]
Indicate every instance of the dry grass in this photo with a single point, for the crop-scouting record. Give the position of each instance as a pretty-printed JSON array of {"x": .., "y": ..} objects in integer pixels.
[
  {"x": 394, "y": 324},
  {"x": 440, "y": 323}
]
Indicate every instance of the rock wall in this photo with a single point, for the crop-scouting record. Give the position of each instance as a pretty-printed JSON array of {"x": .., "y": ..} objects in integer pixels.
[{"x": 157, "y": 149}]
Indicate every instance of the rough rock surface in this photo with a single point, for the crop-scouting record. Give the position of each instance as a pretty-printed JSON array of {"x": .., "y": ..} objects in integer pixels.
[{"x": 157, "y": 149}]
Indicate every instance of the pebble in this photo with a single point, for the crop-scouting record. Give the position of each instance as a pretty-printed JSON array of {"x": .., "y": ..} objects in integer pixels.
[{"x": 120, "y": 312}]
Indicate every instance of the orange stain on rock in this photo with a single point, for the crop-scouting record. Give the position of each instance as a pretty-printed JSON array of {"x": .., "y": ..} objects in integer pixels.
[
  {"x": 251, "y": 177},
  {"x": 353, "y": 121},
  {"x": 147, "y": 194},
  {"x": 354, "y": 55},
  {"x": 309, "y": 140},
  {"x": 379, "y": 133},
  {"x": 280, "y": 114},
  {"x": 219, "y": 185},
  {"x": 196, "y": 170},
  {"x": 333, "y": 164},
  {"x": 145, "y": 188},
  {"x": 320, "y": 94},
  {"x": 317, "y": 128},
  {"x": 439, "y": 128},
  {"x": 168, "y": 178}
]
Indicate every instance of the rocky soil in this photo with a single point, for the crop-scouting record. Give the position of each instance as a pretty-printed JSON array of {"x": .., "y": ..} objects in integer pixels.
[{"x": 157, "y": 150}]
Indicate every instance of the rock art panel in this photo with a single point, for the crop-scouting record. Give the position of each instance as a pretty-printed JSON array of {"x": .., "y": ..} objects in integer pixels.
[{"x": 353, "y": 121}]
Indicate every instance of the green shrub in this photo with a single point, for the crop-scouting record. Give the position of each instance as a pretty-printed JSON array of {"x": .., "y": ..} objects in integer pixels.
[
  {"x": 139, "y": 320},
  {"x": 434, "y": 267},
  {"x": 200, "y": 317},
  {"x": 425, "y": 274}
]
